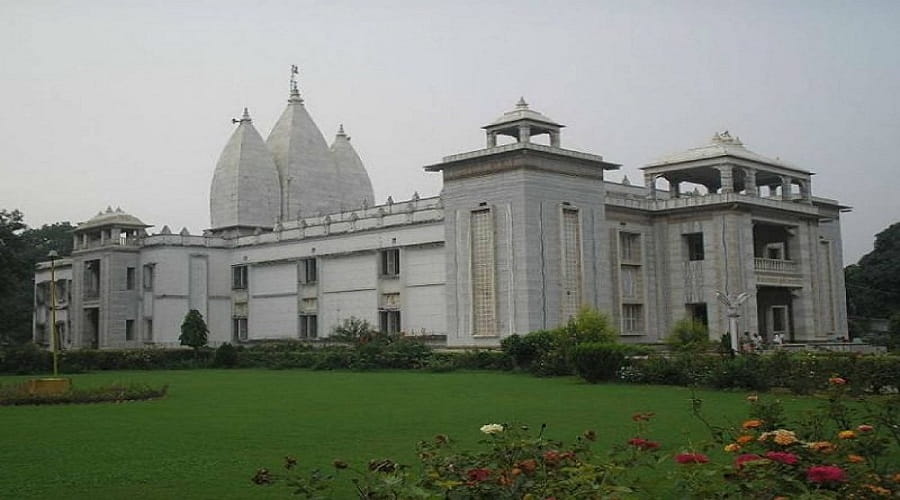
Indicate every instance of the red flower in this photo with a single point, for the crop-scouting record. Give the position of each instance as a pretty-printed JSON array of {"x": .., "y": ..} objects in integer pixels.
[
  {"x": 551, "y": 456},
  {"x": 865, "y": 428},
  {"x": 643, "y": 444},
  {"x": 691, "y": 458},
  {"x": 478, "y": 474},
  {"x": 528, "y": 465},
  {"x": 837, "y": 381},
  {"x": 782, "y": 457},
  {"x": 746, "y": 457},
  {"x": 825, "y": 474}
]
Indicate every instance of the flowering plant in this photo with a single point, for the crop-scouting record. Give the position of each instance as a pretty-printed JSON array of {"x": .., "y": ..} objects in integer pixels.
[{"x": 825, "y": 457}]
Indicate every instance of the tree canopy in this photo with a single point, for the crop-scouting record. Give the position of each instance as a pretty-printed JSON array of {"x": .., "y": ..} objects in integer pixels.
[
  {"x": 873, "y": 284},
  {"x": 21, "y": 248}
]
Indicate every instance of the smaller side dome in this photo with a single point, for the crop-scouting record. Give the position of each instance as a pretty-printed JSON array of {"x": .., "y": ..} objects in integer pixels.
[
  {"x": 110, "y": 217},
  {"x": 245, "y": 189},
  {"x": 355, "y": 185}
]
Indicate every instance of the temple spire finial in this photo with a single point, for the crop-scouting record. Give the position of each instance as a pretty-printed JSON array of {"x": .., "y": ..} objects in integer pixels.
[
  {"x": 341, "y": 130},
  {"x": 295, "y": 91},
  {"x": 245, "y": 117},
  {"x": 522, "y": 104}
]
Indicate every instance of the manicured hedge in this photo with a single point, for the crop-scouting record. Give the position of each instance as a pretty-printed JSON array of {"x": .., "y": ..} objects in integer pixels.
[{"x": 11, "y": 395}]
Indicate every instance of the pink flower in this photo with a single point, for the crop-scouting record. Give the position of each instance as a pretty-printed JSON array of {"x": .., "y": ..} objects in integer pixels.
[
  {"x": 825, "y": 474},
  {"x": 691, "y": 458},
  {"x": 782, "y": 457},
  {"x": 746, "y": 457},
  {"x": 865, "y": 428}
]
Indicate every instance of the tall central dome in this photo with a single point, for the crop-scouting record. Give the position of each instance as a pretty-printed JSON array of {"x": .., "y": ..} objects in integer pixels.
[{"x": 306, "y": 167}]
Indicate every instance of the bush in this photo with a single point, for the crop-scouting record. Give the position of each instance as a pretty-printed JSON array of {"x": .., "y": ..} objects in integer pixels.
[
  {"x": 17, "y": 394},
  {"x": 742, "y": 372},
  {"x": 595, "y": 361},
  {"x": 226, "y": 356},
  {"x": 25, "y": 359},
  {"x": 194, "y": 332},
  {"x": 689, "y": 335}
]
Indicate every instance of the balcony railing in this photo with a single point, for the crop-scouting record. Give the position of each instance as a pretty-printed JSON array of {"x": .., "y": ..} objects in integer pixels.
[{"x": 774, "y": 266}]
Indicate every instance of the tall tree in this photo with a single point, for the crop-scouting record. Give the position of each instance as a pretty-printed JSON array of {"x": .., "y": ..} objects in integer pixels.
[
  {"x": 873, "y": 284},
  {"x": 20, "y": 249}
]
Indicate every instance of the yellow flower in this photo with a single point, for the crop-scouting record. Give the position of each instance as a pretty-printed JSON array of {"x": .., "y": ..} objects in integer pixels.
[
  {"x": 745, "y": 439},
  {"x": 846, "y": 435},
  {"x": 785, "y": 437},
  {"x": 855, "y": 459},
  {"x": 733, "y": 447},
  {"x": 753, "y": 398},
  {"x": 752, "y": 424}
]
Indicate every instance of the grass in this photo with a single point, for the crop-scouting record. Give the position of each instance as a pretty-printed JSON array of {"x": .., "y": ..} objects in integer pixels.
[{"x": 207, "y": 437}]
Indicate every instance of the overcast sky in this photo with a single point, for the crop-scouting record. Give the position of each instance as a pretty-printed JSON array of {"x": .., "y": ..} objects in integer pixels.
[{"x": 130, "y": 103}]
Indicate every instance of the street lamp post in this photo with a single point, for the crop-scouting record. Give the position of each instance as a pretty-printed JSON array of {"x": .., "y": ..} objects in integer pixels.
[{"x": 54, "y": 335}]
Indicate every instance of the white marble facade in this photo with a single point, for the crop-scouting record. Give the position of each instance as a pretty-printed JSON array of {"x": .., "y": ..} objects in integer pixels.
[{"x": 523, "y": 234}]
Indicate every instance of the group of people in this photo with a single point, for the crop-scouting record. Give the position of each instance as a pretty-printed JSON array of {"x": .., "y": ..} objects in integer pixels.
[{"x": 754, "y": 342}]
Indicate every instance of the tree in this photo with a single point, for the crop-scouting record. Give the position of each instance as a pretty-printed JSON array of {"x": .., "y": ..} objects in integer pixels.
[
  {"x": 873, "y": 284},
  {"x": 194, "y": 332},
  {"x": 21, "y": 248}
]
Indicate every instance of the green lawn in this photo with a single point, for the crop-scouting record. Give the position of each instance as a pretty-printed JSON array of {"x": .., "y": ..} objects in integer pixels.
[{"x": 208, "y": 436}]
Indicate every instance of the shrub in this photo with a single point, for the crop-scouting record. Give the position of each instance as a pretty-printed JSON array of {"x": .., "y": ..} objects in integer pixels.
[
  {"x": 25, "y": 359},
  {"x": 689, "y": 335},
  {"x": 17, "y": 394},
  {"x": 358, "y": 331},
  {"x": 194, "y": 332},
  {"x": 226, "y": 356},
  {"x": 744, "y": 372},
  {"x": 595, "y": 361}
]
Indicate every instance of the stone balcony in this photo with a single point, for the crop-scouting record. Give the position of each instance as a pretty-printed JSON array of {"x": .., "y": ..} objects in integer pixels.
[{"x": 777, "y": 272}]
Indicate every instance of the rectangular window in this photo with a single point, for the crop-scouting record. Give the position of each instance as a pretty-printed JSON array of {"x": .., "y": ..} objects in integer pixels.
[
  {"x": 307, "y": 271},
  {"x": 630, "y": 247},
  {"x": 484, "y": 315},
  {"x": 129, "y": 278},
  {"x": 148, "y": 276},
  {"x": 238, "y": 277},
  {"x": 148, "y": 330},
  {"x": 390, "y": 321},
  {"x": 571, "y": 263},
  {"x": 632, "y": 319},
  {"x": 632, "y": 282},
  {"x": 239, "y": 329},
  {"x": 129, "y": 329},
  {"x": 390, "y": 262},
  {"x": 694, "y": 243},
  {"x": 309, "y": 328}
]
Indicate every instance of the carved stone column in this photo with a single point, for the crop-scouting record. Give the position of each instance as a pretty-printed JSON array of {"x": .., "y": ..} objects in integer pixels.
[
  {"x": 524, "y": 133},
  {"x": 491, "y": 139},
  {"x": 750, "y": 182},
  {"x": 726, "y": 176},
  {"x": 554, "y": 138},
  {"x": 785, "y": 187},
  {"x": 806, "y": 190},
  {"x": 650, "y": 183}
]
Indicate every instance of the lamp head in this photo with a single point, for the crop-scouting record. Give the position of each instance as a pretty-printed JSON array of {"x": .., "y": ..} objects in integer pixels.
[{"x": 53, "y": 255}]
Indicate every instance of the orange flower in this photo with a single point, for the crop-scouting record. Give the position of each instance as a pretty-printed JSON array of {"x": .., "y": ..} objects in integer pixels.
[
  {"x": 752, "y": 424},
  {"x": 745, "y": 439},
  {"x": 733, "y": 447},
  {"x": 878, "y": 490},
  {"x": 837, "y": 381},
  {"x": 896, "y": 477},
  {"x": 846, "y": 435},
  {"x": 822, "y": 446},
  {"x": 856, "y": 459},
  {"x": 785, "y": 437}
]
